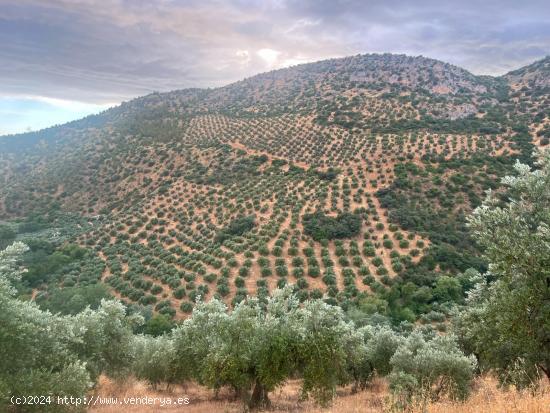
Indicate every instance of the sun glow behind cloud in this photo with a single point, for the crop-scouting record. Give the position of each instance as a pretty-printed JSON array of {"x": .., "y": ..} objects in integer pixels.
[{"x": 270, "y": 56}]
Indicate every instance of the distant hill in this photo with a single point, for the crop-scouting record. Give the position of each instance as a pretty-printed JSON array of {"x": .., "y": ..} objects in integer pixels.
[{"x": 208, "y": 191}]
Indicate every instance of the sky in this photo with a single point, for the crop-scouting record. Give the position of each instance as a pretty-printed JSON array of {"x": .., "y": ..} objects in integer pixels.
[{"x": 63, "y": 59}]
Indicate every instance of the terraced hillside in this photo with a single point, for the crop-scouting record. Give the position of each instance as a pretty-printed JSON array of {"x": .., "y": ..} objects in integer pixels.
[{"x": 349, "y": 178}]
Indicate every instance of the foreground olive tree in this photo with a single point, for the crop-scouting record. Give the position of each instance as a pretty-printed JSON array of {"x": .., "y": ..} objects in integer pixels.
[
  {"x": 506, "y": 323},
  {"x": 428, "y": 369},
  {"x": 53, "y": 355},
  {"x": 35, "y": 345},
  {"x": 154, "y": 359},
  {"x": 249, "y": 349},
  {"x": 256, "y": 347},
  {"x": 328, "y": 347}
]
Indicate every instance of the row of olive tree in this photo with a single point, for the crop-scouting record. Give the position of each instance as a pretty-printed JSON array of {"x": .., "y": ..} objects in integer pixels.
[
  {"x": 258, "y": 346},
  {"x": 253, "y": 349}
]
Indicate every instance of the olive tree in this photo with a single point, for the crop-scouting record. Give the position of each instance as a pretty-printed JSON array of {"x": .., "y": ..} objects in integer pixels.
[
  {"x": 37, "y": 357},
  {"x": 154, "y": 359},
  {"x": 51, "y": 354},
  {"x": 259, "y": 345},
  {"x": 381, "y": 343},
  {"x": 194, "y": 341},
  {"x": 105, "y": 338},
  {"x": 328, "y": 347},
  {"x": 506, "y": 323},
  {"x": 425, "y": 369},
  {"x": 250, "y": 349}
]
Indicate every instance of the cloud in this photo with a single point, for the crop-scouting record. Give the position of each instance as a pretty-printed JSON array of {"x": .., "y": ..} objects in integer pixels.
[{"x": 103, "y": 51}]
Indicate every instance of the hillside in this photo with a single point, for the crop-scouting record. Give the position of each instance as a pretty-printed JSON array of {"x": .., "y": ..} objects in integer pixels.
[{"x": 350, "y": 178}]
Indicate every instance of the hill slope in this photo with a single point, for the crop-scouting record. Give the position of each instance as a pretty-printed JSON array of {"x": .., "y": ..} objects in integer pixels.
[{"x": 234, "y": 190}]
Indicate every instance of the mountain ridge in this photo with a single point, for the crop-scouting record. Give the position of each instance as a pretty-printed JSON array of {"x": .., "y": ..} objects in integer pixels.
[
  {"x": 283, "y": 70},
  {"x": 230, "y": 191}
]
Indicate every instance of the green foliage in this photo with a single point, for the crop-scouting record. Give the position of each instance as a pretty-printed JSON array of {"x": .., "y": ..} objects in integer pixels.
[
  {"x": 506, "y": 323},
  {"x": 170, "y": 199},
  {"x": 252, "y": 349},
  {"x": 105, "y": 339},
  {"x": 158, "y": 325},
  {"x": 44, "y": 260},
  {"x": 7, "y": 236},
  {"x": 320, "y": 226},
  {"x": 381, "y": 344},
  {"x": 430, "y": 369},
  {"x": 447, "y": 289},
  {"x": 154, "y": 359},
  {"x": 337, "y": 346},
  {"x": 72, "y": 300},
  {"x": 412, "y": 206},
  {"x": 187, "y": 307},
  {"x": 328, "y": 175},
  {"x": 236, "y": 227},
  {"x": 255, "y": 348},
  {"x": 51, "y": 354}
]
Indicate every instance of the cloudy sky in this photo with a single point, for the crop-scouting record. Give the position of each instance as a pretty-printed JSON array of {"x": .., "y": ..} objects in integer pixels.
[{"x": 63, "y": 59}]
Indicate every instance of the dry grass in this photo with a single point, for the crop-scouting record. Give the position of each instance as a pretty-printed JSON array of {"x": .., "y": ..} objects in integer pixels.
[{"x": 486, "y": 397}]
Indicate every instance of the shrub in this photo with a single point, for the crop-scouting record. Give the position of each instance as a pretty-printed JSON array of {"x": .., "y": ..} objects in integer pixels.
[
  {"x": 210, "y": 278},
  {"x": 7, "y": 236},
  {"x": 158, "y": 325},
  {"x": 369, "y": 251},
  {"x": 281, "y": 271},
  {"x": 236, "y": 227},
  {"x": 72, "y": 300},
  {"x": 364, "y": 270},
  {"x": 277, "y": 251},
  {"x": 156, "y": 289},
  {"x": 377, "y": 261},
  {"x": 298, "y": 262},
  {"x": 222, "y": 289},
  {"x": 320, "y": 226}
]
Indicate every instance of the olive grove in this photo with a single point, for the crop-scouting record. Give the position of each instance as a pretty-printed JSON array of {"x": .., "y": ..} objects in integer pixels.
[{"x": 260, "y": 343}]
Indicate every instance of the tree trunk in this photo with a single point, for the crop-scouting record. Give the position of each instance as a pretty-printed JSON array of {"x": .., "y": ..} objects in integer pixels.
[
  {"x": 546, "y": 371},
  {"x": 259, "y": 398}
]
